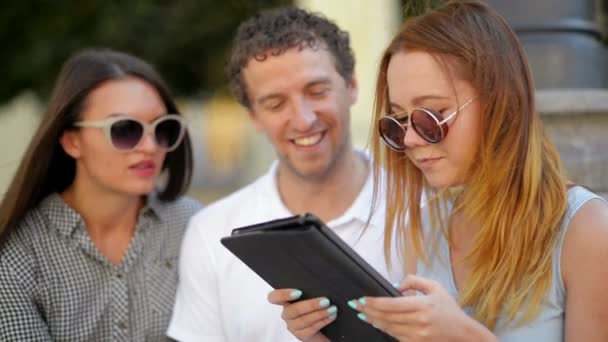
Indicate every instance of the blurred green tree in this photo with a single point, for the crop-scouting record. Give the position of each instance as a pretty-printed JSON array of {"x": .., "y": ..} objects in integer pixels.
[
  {"x": 186, "y": 40},
  {"x": 413, "y": 8}
]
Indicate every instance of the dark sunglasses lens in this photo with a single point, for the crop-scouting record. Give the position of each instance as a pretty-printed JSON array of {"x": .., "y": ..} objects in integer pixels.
[
  {"x": 168, "y": 133},
  {"x": 126, "y": 134},
  {"x": 392, "y": 133},
  {"x": 425, "y": 126}
]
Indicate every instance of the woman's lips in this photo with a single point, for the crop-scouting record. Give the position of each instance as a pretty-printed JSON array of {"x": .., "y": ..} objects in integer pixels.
[
  {"x": 425, "y": 163},
  {"x": 145, "y": 168}
]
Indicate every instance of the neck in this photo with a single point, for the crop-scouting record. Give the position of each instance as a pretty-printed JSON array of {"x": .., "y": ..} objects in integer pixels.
[
  {"x": 104, "y": 212},
  {"x": 329, "y": 196},
  {"x": 462, "y": 231}
]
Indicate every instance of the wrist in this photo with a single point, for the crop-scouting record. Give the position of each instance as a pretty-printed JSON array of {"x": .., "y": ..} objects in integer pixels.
[{"x": 475, "y": 331}]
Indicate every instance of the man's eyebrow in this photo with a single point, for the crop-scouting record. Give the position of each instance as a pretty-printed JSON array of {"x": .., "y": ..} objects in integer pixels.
[
  {"x": 321, "y": 81},
  {"x": 317, "y": 82}
]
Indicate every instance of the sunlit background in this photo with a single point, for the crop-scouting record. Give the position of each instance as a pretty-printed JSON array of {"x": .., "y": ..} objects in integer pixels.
[{"x": 187, "y": 41}]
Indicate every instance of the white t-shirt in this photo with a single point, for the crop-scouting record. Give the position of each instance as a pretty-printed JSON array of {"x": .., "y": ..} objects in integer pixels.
[{"x": 220, "y": 299}]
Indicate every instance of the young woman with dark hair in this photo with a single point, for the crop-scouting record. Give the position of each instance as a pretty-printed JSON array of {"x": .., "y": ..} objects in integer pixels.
[{"x": 89, "y": 235}]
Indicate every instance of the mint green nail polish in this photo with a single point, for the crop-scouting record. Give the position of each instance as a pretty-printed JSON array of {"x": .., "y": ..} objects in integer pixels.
[
  {"x": 362, "y": 301},
  {"x": 352, "y": 304},
  {"x": 395, "y": 285},
  {"x": 324, "y": 303},
  {"x": 332, "y": 317},
  {"x": 362, "y": 316},
  {"x": 295, "y": 294},
  {"x": 332, "y": 310}
]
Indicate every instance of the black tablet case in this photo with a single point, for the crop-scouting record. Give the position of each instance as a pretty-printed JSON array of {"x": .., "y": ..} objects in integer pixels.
[{"x": 301, "y": 252}]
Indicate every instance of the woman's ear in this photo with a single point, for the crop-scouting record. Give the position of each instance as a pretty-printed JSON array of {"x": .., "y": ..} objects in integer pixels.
[{"x": 70, "y": 142}]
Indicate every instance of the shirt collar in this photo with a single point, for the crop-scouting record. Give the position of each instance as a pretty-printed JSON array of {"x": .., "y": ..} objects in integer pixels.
[
  {"x": 154, "y": 207},
  {"x": 273, "y": 205},
  {"x": 66, "y": 220},
  {"x": 361, "y": 207},
  {"x": 60, "y": 214}
]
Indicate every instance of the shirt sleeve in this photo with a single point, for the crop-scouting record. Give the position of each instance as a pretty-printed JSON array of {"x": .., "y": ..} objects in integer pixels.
[
  {"x": 20, "y": 318},
  {"x": 196, "y": 314}
]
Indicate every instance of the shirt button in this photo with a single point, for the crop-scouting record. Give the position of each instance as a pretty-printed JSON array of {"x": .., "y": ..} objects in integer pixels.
[{"x": 122, "y": 325}]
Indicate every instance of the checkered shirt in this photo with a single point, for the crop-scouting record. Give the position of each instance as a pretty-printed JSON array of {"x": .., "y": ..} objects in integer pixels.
[{"x": 56, "y": 285}]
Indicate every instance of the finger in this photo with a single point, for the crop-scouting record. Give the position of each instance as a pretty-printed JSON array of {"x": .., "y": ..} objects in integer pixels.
[
  {"x": 390, "y": 304},
  {"x": 421, "y": 284},
  {"x": 282, "y": 296},
  {"x": 304, "y": 307},
  {"x": 370, "y": 313},
  {"x": 406, "y": 292},
  {"x": 395, "y": 318},
  {"x": 399, "y": 332},
  {"x": 312, "y": 330},
  {"x": 397, "y": 325},
  {"x": 313, "y": 318}
]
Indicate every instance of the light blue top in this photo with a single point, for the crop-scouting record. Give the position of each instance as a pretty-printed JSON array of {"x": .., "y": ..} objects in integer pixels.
[{"x": 549, "y": 325}]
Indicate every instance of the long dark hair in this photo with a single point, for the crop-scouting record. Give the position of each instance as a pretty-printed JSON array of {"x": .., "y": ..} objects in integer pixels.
[{"x": 46, "y": 168}]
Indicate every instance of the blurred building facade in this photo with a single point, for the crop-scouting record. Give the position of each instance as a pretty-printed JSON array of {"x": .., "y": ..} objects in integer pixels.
[{"x": 569, "y": 61}]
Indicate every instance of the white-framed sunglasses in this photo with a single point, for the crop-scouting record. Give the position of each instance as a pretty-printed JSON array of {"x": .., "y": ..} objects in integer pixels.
[{"x": 125, "y": 133}]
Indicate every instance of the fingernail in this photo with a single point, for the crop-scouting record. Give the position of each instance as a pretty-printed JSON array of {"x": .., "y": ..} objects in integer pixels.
[
  {"x": 324, "y": 303},
  {"x": 352, "y": 304},
  {"x": 332, "y": 310},
  {"x": 295, "y": 294},
  {"x": 362, "y": 316},
  {"x": 332, "y": 317},
  {"x": 362, "y": 301},
  {"x": 375, "y": 326},
  {"x": 395, "y": 285}
]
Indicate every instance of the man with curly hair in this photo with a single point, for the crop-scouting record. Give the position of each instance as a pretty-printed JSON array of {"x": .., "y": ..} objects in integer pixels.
[{"x": 294, "y": 72}]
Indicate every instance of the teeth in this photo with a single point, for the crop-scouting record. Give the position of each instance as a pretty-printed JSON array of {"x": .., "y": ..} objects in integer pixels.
[{"x": 308, "y": 141}]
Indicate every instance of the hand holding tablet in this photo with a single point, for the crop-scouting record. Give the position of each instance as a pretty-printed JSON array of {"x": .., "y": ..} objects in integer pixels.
[{"x": 300, "y": 252}]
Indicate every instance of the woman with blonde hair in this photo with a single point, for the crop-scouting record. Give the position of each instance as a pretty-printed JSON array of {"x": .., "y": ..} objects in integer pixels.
[{"x": 504, "y": 248}]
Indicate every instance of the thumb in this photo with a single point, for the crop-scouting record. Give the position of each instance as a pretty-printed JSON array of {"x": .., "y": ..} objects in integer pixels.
[{"x": 420, "y": 284}]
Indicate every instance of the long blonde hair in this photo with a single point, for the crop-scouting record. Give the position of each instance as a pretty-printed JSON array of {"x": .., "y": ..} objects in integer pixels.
[{"x": 516, "y": 193}]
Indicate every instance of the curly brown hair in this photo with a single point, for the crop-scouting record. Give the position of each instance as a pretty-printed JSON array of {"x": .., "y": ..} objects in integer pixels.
[{"x": 272, "y": 32}]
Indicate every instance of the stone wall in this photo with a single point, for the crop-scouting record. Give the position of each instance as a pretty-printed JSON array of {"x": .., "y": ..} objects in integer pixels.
[{"x": 577, "y": 121}]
